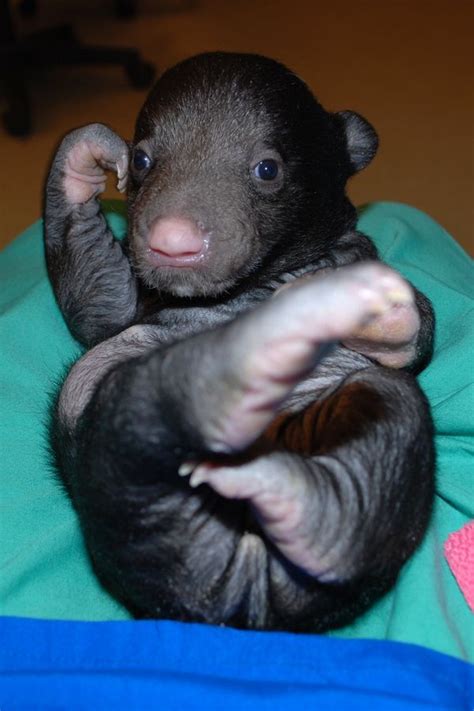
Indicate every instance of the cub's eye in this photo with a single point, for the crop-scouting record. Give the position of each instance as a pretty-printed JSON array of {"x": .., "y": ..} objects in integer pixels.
[
  {"x": 141, "y": 161},
  {"x": 266, "y": 170}
]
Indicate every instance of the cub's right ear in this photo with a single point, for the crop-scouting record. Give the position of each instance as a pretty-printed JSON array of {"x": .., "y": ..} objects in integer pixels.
[{"x": 361, "y": 139}]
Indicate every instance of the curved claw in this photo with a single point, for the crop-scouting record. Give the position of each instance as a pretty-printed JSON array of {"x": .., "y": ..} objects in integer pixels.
[
  {"x": 187, "y": 468},
  {"x": 121, "y": 169}
]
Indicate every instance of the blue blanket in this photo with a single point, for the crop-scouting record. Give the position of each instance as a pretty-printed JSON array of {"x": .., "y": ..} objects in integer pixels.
[{"x": 102, "y": 666}]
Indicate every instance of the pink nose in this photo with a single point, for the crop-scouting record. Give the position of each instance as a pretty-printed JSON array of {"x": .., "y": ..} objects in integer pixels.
[{"x": 176, "y": 237}]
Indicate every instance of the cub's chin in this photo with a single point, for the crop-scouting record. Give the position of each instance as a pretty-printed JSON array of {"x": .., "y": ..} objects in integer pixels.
[{"x": 183, "y": 281}]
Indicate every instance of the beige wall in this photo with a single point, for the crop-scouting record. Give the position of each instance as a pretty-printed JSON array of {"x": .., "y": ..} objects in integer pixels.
[{"x": 404, "y": 64}]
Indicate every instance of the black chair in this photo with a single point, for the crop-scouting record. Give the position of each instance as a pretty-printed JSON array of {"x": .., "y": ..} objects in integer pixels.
[{"x": 56, "y": 46}]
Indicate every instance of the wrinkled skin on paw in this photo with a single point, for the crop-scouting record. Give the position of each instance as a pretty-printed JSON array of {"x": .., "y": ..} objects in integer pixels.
[
  {"x": 86, "y": 156},
  {"x": 390, "y": 338}
]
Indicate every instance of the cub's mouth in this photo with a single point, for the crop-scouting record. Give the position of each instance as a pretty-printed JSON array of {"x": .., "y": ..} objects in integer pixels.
[{"x": 185, "y": 260}]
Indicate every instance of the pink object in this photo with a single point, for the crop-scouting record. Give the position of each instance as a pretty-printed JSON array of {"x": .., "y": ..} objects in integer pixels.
[
  {"x": 459, "y": 552},
  {"x": 176, "y": 237}
]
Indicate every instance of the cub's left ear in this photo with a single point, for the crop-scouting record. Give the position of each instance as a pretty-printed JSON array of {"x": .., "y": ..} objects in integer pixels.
[{"x": 361, "y": 140}]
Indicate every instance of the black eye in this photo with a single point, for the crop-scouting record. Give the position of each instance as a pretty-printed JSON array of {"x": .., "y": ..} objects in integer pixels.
[
  {"x": 141, "y": 161},
  {"x": 266, "y": 170}
]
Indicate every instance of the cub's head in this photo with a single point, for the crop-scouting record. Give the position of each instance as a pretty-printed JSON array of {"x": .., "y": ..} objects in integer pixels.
[{"x": 234, "y": 167}]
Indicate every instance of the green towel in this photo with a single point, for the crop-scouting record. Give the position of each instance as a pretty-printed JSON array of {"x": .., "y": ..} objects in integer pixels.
[{"x": 45, "y": 569}]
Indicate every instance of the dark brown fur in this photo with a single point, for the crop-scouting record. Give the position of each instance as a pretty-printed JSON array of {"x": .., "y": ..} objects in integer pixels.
[{"x": 160, "y": 546}]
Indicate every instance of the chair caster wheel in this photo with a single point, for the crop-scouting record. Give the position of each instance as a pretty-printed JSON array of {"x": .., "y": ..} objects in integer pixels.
[{"x": 17, "y": 123}]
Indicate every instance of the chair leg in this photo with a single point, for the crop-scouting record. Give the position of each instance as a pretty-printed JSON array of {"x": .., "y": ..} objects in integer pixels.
[
  {"x": 17, "y": 117},
  {"x": 140, "y": 73}
]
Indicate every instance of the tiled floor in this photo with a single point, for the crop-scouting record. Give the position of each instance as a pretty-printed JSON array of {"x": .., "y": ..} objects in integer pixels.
[{"x": 404, "y": 64}]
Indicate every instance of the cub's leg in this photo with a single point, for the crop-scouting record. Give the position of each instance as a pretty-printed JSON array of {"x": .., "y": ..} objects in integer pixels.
[{"x": 169, "y": 549}]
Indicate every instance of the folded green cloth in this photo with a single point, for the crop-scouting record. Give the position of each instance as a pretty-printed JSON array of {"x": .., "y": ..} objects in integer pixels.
[{"x": 45, "y": 568}]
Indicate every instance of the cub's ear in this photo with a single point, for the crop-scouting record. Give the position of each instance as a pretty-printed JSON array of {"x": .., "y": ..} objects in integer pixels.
[{"x": 361, "y": 140}]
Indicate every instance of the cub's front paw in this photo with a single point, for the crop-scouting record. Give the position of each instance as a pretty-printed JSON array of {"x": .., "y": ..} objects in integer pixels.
[{"x": 83, "y": 157}]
